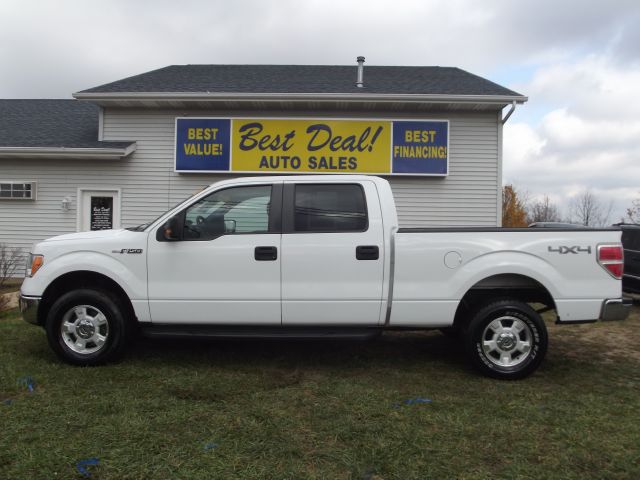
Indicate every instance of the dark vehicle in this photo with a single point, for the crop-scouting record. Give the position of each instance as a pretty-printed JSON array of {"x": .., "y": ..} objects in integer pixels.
[{"x": 631, "y": 245}]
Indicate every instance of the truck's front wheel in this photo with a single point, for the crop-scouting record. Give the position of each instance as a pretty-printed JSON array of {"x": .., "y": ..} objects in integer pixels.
[
  {"x": 87, "y": 327},
  {"x": 506, "y": 339}
]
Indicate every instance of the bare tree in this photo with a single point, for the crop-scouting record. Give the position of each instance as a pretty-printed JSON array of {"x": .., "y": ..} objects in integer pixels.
[
  {"x": 543, "y": 211},
  {"x": 633, "y": 212},
  {"x": 589, "y": 211},
  {"x": 10, "y": 259}
]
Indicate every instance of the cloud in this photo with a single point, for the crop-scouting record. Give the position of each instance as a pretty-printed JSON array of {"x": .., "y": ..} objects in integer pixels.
[
  {"x": 55, "y": 48},
  {"x": 594, "y": 85},
  {"x": 581, "y": 135},
  {"x": 579, "y": 62},
  {"x": 590, "y": 141}
]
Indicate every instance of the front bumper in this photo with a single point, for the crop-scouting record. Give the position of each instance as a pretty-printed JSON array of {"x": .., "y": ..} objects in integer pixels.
[
  {"x": 616, "y": 309},
  {"x": 29, "y": 308}
]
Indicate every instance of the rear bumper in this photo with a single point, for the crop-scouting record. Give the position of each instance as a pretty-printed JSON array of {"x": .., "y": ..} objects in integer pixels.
[
  {"x": 616, "y": 309},
  {"x": 29, "y": 308}
]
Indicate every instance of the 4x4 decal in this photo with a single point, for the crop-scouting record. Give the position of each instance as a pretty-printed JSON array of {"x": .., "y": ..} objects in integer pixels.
[{"x": 563, "y": 250}]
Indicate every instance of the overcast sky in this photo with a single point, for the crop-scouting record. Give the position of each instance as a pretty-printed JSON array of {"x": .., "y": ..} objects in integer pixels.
[{"x": 577, "y": 61}]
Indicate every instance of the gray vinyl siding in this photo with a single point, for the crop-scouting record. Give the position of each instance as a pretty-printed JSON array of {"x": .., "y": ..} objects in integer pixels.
[
  {"x": 149, "y": 185},
  {"x": 468, "y": 196},
  {"x": 25, "y": 222}
]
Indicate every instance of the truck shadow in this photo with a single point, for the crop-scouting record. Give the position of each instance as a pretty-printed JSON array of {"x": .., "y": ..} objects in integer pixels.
[
  {"x": 237, "y": 368},
  {"x": 399, "y": 349}
]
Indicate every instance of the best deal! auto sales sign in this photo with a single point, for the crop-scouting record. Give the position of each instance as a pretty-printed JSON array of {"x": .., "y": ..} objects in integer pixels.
[{"x": 254, "y": 145}]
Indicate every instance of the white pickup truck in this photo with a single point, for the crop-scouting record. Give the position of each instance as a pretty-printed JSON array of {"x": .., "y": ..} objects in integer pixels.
[{"x": 302, "y": 256}]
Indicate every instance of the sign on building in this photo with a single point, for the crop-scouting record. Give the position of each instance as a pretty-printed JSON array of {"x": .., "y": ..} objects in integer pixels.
[
  {"x": 101, "y": 216},
  {"x": 254, "y": 145}
]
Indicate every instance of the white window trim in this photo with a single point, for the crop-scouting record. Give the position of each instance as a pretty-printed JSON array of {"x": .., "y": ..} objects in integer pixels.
[
  {"x": 79, "y": 210},
  {"x": 34, "y": 189}
]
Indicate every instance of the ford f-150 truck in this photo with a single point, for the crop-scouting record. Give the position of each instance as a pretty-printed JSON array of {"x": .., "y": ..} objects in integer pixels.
[{"x": 318, "y": 256}]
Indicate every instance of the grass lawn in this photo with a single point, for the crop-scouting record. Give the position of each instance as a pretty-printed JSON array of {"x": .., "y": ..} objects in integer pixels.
[{"x": 330, "y": 410}]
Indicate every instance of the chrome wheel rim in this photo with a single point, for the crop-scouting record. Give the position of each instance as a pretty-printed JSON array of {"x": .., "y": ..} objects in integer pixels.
[
  {"x": 84, "y": 329},
  {"x": 507, "y": 341}
]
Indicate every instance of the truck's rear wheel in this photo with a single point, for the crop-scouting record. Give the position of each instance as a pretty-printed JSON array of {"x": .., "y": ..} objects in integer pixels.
[
  {"x": 506, "y": 339},
  {"x": 87, "y": 327}
]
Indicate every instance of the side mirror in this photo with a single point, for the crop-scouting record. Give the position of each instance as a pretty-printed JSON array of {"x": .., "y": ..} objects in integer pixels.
[
  {"x": 172, "y": 229},
  {"x": 229, "y": 226}
]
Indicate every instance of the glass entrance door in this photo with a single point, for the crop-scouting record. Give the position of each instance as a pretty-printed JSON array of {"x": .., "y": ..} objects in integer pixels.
[{"x": 99, "y": 210}]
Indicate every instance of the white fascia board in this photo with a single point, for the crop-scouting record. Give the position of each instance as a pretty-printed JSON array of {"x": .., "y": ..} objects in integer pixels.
[
  {"x": 64, "y": 152},
  {"x": 300, "y": 97}
]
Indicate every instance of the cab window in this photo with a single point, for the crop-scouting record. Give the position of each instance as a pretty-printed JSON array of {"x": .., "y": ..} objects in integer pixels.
[
  {"x": 330, "y": 208},
  {"x": 233, "y": 210}
]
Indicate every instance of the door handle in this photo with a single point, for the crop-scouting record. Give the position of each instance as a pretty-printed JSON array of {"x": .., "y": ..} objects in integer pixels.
[
  {"x": 266, "y": 254},
  {"x": 367, "y": 252}
]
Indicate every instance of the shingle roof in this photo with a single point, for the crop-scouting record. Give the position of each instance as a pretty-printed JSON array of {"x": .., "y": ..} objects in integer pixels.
[
  {"x": 51, "y": 123},
  {"x": 321, "y": 79}
]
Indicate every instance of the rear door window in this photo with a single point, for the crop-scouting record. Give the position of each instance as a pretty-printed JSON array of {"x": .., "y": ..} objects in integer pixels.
[{"x": 330, "y": 208}]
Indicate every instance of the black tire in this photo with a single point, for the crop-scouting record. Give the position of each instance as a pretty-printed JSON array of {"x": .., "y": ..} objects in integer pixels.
[
  {"x": 104, "y": 318},
  {"x": 506, "y": 339}
]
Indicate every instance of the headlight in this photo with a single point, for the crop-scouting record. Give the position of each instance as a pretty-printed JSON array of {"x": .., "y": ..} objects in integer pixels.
[{"x": 35, "y": 262}]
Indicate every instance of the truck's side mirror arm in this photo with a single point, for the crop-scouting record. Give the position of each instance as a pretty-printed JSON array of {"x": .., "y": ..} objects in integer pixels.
[{"x": 170, "y": 231}]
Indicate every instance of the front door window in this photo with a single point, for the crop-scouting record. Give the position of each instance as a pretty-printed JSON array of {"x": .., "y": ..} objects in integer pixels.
[{"x": 228, "y": 211}]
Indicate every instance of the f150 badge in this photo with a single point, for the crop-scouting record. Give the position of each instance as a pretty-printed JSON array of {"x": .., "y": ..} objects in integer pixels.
[
  {"x": 563, "y": 250},
  {"x": 127, "y": 250}
]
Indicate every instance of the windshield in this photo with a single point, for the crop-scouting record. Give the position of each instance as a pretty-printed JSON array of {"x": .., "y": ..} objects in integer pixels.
[{"x": 143, "y": 226}]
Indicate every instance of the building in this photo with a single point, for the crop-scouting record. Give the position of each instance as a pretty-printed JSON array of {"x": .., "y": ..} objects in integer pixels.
[{"x": 122, "y": 153}]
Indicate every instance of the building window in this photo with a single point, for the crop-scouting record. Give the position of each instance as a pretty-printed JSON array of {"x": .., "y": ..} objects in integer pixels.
[{"x": 17, "y": 190}]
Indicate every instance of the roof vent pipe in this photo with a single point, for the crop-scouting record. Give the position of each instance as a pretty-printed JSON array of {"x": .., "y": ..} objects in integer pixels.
[{"x": 359, "y": 81}]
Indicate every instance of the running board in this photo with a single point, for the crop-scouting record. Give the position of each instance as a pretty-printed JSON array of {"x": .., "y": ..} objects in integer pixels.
[{"x": 256, "y": 331}]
